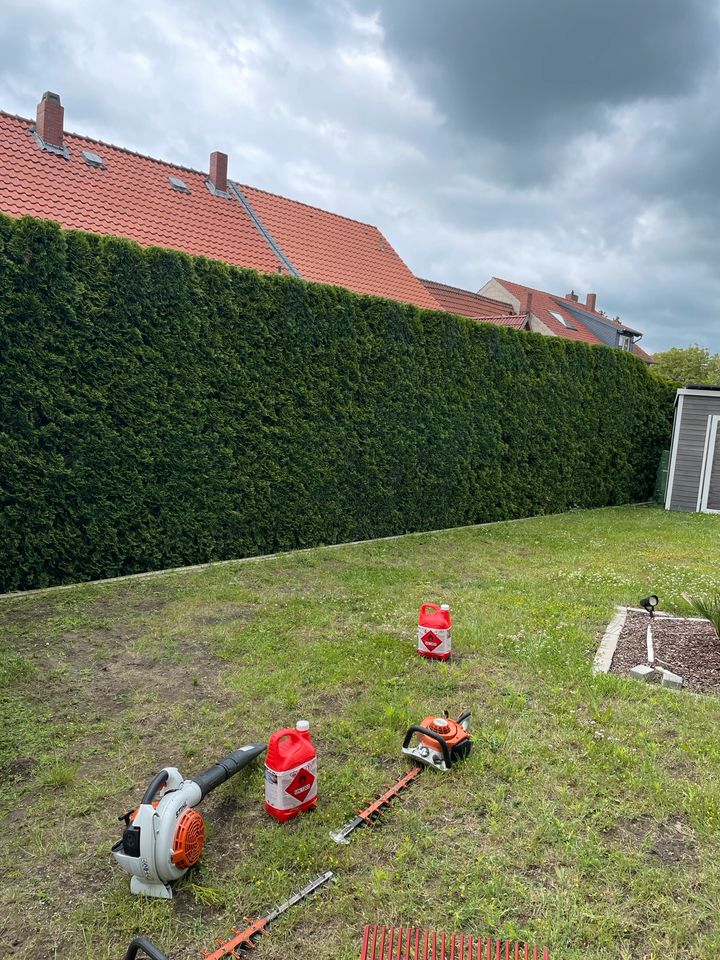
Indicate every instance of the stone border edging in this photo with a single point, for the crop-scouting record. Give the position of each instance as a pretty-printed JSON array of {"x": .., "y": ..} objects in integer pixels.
[
  {"x": 146, "y": 574},
  {"x": 606, "y": 650}
]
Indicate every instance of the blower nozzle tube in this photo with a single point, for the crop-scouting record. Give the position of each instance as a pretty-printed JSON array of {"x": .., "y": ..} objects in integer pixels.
[{"x": 227, "y": 767}]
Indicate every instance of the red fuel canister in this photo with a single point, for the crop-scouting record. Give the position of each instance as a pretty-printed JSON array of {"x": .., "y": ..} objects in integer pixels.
[
  {"x": 435, "y": 631},
  {"x": 290, "y": 772}
]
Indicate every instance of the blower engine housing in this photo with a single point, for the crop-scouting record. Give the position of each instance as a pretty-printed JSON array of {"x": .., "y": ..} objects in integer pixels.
[{"x": 164, "y": 836}]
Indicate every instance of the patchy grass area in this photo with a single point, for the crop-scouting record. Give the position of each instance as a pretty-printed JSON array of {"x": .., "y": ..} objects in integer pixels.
[{"x": 587, "y": 817}]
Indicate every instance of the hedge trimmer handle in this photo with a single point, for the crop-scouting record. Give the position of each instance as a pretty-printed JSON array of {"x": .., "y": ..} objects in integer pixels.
[
  {"x": 144, "y": 945},
  {"x": 433, "y": 736}
]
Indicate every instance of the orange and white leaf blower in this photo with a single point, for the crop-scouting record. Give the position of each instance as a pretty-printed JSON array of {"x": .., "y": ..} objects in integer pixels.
[{"x": 164, "y": 836}]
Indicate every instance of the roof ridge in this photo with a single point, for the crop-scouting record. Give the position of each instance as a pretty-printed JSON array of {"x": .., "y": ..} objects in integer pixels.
[
  {"x": 594, "y": 314},
  {"x": 473, "y": 293},
  {"x": 313, "y": 206},
  {"x": 180, "y": 166},
  {"x": 524, "y": 286},
  {"x": 113, "y": 146}
]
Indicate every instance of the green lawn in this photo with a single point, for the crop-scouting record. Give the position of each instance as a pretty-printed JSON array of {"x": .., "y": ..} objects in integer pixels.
[{"x": 587, "y": 817}]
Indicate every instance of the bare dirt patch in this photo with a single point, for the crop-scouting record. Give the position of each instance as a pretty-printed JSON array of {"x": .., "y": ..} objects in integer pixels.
[
  {"x": 669, "y": 842},
  {"x": 689, "y": 648}
]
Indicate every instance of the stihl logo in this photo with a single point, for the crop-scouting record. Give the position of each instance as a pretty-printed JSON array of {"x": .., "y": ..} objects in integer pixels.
[
  {"x": 431, "y": 641},
  {"x": 301, "y": 784}
]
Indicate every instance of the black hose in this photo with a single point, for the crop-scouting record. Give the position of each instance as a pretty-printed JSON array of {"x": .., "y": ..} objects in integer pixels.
[
  {"x": 142, "y": 943},
  {"x": 225, "y": 768},
  {"x": 463, "y": 716}
]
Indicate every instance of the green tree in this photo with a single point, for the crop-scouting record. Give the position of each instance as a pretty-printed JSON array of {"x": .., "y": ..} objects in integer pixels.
[{"x": 694, "y": 364}]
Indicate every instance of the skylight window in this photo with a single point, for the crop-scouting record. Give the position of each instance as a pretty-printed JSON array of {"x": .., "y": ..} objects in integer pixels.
[
  {"x": 177, "y": 184},
  {"x": 93, "y": 159},
  {"x": 561, "y": 319}
]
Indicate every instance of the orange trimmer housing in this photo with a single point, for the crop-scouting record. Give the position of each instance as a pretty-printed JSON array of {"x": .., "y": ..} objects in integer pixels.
[{"x": 442, "y": 741}]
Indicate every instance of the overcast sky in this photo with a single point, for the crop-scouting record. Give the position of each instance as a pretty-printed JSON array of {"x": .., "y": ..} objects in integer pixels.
[{"x": 563, "y": 143}]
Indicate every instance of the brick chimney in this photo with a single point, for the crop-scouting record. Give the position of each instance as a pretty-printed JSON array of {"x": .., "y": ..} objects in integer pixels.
[
  {"x": 49, "y": 120},
  {"x": 572, "y": 296},
  {"x": 590, "y": 301},
  {"x": 218, "y": 171},
  {"x": 526, "y": 304}
]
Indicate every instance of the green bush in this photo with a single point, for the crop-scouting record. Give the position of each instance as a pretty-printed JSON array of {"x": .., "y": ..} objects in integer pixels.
[{"x": 158, "y": 409}]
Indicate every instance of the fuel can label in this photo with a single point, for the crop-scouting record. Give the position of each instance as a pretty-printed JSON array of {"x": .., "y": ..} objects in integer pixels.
[
  {"x": 435, "y": 641},
  {"x": 289, "y": 789}
]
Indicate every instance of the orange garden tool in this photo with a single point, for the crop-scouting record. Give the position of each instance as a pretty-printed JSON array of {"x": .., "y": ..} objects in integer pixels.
[
  {"x": 245, "y": 939},
  {"x": 441, "y": 743},
  {"x": 411, "y": 943},
  {"x": 164, "y": 835}
]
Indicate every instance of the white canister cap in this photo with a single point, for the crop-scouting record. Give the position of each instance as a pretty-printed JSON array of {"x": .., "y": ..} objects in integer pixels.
[
  {"x": 444, "y": 606},
  {"x": 303, "y": 726}
]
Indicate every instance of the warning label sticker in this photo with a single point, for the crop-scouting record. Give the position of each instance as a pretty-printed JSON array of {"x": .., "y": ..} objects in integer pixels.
[{"x": 288, "y": 789}]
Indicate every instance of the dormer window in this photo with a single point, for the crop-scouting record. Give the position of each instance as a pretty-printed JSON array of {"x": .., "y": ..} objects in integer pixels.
[
  {"x": 625, "y": 342},
  {"x": 561, "y": 319},
  {"x": 177, "y": 183}
]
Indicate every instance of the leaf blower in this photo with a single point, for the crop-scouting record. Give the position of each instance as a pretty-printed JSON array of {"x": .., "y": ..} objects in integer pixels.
[{"x": 164, "y": 836}]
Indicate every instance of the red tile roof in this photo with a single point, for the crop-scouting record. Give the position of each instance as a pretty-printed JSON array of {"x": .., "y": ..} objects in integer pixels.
[
  {"x": 334, "y": 249},
  {"x": 465, "y": 302},
  {"x": 548, "y": 306},
  {"x": 133, "y": 198},
  {"x": 517, "y": 320}
]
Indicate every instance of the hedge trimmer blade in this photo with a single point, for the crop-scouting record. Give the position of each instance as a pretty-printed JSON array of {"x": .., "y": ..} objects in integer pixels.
[
  {"x": 376, "y": 808},
  {"x": 245, "y": 939}
]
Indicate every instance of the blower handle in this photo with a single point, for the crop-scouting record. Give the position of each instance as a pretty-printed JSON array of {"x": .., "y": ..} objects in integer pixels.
[
  {"x": 159, "y": 780},
  {"x": 463, "y": 717},
  {"x": 225, "y": 768},
  {"x": 142, "y": 943},
  {"x": 433, "y": 736}
]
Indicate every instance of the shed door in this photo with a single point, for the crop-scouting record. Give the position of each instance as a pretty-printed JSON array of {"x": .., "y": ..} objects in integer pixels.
[{"x": 710, "y": 486}]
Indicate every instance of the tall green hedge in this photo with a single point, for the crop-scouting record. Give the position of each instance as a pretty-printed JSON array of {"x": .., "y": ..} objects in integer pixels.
[{"x": 158, "y": 409}]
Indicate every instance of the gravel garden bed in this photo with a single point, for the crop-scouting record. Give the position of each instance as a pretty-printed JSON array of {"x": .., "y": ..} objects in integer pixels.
[{"x": 688, "y": 647}]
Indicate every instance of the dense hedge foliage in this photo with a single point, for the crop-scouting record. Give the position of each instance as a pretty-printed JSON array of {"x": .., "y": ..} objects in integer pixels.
[{"x": 158, "y": 410}]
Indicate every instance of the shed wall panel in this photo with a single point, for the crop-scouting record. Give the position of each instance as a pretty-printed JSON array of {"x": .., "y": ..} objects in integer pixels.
[
  {"x": 691, "y": 436},
  {"x": 713, "y": 500}
]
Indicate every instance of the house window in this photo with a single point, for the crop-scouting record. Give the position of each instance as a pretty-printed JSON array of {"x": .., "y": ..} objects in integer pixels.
[{"x": 624, "y": 341}]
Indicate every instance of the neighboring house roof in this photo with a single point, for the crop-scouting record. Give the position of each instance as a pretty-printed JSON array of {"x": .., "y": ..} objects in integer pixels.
[
  {"x": 465, "y": 302},
  {"x": 517, "y": 320},
  {"x": 568, "y": 318},
  {"x": 131, "y": 196}
]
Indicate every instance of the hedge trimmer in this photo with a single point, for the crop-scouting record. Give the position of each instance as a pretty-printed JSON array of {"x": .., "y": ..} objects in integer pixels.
[
  {"x": 441, "y": 743},
  {"x": 245, "y": 939}
]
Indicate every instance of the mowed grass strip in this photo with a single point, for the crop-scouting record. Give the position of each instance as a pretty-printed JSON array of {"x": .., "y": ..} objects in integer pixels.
[{"x": 587, "y": 817}]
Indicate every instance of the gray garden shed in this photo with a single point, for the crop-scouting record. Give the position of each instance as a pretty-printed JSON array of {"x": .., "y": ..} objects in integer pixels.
[{"x": 694, "y": 473}]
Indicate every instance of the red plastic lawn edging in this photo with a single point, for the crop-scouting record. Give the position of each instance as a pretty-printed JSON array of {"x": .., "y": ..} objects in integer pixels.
[{"x": 411, "y": 943}]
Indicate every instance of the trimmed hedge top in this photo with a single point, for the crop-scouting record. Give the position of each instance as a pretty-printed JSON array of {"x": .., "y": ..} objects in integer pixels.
[{"x": 158, "y": 409}]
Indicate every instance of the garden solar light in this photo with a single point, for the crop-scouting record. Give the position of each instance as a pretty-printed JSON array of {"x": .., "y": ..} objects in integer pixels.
[{"x": 649, "y": 604}]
